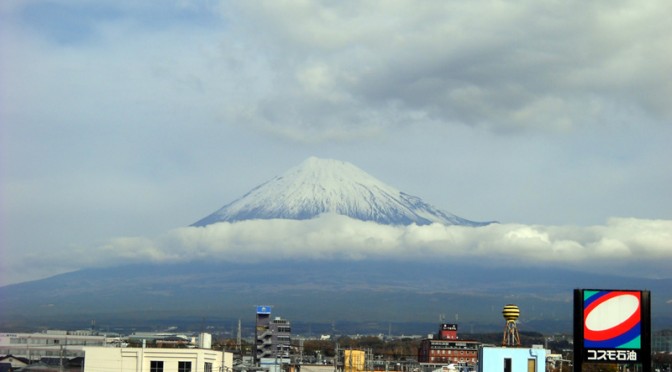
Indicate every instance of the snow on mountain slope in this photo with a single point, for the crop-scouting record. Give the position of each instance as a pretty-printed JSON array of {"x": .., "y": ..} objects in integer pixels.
[{"x": 320, "y": 186}]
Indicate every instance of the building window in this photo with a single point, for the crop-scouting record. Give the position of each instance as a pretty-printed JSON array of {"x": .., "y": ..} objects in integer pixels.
[
  {"x": 183, "y": 366},
  {"x": 208, "y": 367},
  {"x": 531, "y": 365},
  {"x": 156, "y": 366},
  {"x": 507, "y": 365}
]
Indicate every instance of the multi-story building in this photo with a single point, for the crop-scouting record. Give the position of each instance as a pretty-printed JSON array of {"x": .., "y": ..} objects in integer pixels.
[
  {"x": 262, "y": 334},
  {"x": 282, "y": 335},
  {"x": 273, "y": 336},
  {"x": 662, "y": 341},
  {"x": 35, "y": 346},
  {"x": 447, "y": 348}
]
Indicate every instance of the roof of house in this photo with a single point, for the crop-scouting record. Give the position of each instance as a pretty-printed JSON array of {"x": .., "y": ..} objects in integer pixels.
[{"x": 12, "y": 357}]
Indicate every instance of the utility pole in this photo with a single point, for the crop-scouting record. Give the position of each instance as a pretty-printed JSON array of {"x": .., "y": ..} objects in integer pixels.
[{"x": 60, "y": 359}]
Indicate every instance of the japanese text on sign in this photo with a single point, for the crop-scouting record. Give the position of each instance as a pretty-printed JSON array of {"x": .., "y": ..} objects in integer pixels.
[{"x": 611, "y": 355}]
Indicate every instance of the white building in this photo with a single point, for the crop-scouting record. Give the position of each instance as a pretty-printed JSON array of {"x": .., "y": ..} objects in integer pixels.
[
  {"x": 276, "y": 364},
  {"x": 47, "y": 344},
  {"x": 511, "y": 359},
  {"x": 99, "y": 359}
]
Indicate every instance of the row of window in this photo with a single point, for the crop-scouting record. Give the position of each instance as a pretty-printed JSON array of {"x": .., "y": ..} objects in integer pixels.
[
  {"x": 452, "y": 346},
  {"x": 52, "y": 341},
  {"x": 37, "y": 352},
  {"x": 452, "y": 360},
  {"x": 157, "y": 366},
  {"x": 452, "y": 352}
]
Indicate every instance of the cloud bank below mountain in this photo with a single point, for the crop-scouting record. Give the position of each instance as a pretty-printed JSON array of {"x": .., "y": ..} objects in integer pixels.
[{"x": 627, "y": 246}]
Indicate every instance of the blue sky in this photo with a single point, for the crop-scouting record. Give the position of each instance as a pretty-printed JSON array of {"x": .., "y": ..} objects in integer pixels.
[{"x": 130, "y": 120}]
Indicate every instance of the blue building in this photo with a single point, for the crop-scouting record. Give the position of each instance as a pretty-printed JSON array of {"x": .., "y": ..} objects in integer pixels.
[{"x": 511, "y": 359}]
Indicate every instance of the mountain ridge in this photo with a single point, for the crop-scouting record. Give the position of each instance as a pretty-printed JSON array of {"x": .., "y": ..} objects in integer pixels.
[
  {"x": 381, "y": 290},
  {"x": 312, "y": 291}
]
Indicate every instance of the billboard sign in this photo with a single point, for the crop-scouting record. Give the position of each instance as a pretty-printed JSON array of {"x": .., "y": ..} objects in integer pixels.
[
  {"x": 612, "y": 326},
  {"x": 448, "y": 327},
  {"x": 264, "y": 310}
]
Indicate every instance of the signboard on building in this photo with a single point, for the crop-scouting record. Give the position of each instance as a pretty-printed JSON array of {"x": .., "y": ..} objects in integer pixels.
[
  {"x": 612, "y": 326},
  {"x": 448, "y": 327},
  {"x": 264, "y": 310}
]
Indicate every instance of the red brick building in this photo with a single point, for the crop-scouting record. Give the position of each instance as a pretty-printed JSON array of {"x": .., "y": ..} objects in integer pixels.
[{"x": 447, "y": 348}]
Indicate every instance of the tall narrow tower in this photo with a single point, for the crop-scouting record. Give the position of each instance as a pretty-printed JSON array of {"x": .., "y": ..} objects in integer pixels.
[{"x": 511, "y": 336}]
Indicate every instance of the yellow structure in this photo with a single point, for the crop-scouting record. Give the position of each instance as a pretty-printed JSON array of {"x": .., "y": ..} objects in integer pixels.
[
  {"x": 511, "y": 337},
  {"x": 354, "y": 360}
]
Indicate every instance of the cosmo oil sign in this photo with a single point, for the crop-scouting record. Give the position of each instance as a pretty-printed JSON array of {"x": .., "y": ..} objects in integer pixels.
[{"x": 612, "y": 326}]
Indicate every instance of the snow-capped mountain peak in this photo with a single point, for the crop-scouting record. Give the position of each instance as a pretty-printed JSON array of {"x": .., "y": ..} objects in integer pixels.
[{"x": 318, "y": 186}]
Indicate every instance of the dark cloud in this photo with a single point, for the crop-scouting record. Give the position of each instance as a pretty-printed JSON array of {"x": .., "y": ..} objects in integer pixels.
[{"x": 522, "y": 66}]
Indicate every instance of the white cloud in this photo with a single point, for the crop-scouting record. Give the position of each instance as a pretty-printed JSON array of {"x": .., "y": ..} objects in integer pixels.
[
  {"x": 110, "y": 110},
  {"x": 643, "y": 247}
]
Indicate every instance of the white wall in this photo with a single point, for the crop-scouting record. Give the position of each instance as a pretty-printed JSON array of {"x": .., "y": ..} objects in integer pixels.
[
  {"x": 491, "y": 359},
  {"x": 316, "y": 368},
  {"x": 101, "y": 359},
  {"x": 205, "y": 341}
]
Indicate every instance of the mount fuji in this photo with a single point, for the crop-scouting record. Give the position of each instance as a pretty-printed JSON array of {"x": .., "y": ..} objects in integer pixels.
[
  {"x": 319, "y": 186},
  {"x": 364, "y": 294}
]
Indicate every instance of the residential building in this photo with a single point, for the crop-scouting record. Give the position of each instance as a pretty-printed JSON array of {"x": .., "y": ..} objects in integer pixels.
[
  {"x": 13, "y": 362},
  {"x": 281, "y": 329}
]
